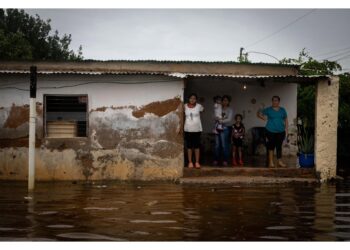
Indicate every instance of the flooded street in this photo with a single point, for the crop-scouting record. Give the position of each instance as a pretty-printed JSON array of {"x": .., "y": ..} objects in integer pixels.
[{"x": 172, "y": 212}]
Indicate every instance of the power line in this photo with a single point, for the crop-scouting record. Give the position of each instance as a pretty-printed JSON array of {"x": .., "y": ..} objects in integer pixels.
[
  {"x": 14, "y": 88},
  {"x": 345, "y": 70},
  {"x": 339, "y": 54},
  {"x": 344, "y": 57},
  {"x": 333, "y": 51},
  {"x": 85, "y": 83},
  {"x": 279, "y": 30},
  {"x": 263, "y": 53},
  {"x": 125, "y": 81}
]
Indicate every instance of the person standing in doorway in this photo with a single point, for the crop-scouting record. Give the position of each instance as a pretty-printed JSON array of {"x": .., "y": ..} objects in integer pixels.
[
  {"x": 193, "y": 129},
  {"x": 238, "y": 132},
  {"x": 223, "y": 139},
  {"x": 217, "y": 114},
  {"x": 276, "y": 129}
]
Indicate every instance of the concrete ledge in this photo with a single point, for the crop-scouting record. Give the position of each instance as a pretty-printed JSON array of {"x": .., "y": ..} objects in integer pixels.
[
  {"x": 249, "y": 180},
  {"x": 250, "y": 172}
]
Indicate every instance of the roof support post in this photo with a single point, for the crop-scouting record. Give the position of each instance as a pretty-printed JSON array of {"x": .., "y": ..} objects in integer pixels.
[{"x": 326, "y": 125}]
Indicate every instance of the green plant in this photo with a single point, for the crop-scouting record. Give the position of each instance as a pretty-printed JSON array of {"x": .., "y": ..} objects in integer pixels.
[
  {"x": 27, "y": 37},
  {"x": 306, "y": 140}
]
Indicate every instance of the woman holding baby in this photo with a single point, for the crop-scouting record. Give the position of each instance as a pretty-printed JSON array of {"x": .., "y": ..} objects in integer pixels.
[{"x": 223, "y": 125}]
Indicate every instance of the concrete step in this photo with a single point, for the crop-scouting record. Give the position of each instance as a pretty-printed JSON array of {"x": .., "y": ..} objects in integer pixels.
[
  {"x": 244, "y": 180},
  {"x": 207, "y": 171}
]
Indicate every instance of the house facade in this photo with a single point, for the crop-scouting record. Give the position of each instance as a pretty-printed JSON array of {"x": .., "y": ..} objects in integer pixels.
[{"x": 123, "y": 119}]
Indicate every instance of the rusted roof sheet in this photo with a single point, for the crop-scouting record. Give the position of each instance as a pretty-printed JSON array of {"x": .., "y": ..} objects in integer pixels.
[
  {"x": 280, "y": 78},
  {"x": 298, "y": 78},
  {"x": 41, "y": 72},
  {"x": 180, "y": 62},
  {"x": 186, "y": 75},
  {"x": 197, "y": 61},
  {"x": 152, "y": 67}
]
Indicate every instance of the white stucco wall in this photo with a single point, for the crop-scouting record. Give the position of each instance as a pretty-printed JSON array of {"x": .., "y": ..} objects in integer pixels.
[
  {"x": 133, "y": 129},
  {"x": 115, "y": 90}
]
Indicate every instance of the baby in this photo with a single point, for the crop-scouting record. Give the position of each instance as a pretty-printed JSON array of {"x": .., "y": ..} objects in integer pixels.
[{"x": 217, "y": 114}]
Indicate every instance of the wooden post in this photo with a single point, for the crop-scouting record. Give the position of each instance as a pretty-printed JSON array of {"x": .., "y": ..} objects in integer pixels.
[{"x": 32, "y": 120}]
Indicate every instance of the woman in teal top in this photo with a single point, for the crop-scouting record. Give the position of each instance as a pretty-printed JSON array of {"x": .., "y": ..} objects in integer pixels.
[{"x": 276, "y": 129}]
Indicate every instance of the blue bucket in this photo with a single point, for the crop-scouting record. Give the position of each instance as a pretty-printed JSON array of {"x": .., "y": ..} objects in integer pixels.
[{"x": 306, "y": 160}]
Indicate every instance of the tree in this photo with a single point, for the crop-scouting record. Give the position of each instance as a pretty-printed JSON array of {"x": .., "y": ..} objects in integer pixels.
[
  {"x": 26, "y": 37},
  {"x": 243, "y": 57},
  {"x": 344, "y": 100},
  {"x": 306, "y": 93},
  {"x": 306, "y": 101}
]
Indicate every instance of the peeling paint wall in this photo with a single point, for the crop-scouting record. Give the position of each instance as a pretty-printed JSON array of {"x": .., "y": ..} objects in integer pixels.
[
  {"x": 133, "y": 124},
  {"x": 327, "y": 103},
  {"x": 246, "y": 102}
]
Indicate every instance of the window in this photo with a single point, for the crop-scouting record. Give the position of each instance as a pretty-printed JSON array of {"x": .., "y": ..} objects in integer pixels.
[{"x": 65, "y": 116}]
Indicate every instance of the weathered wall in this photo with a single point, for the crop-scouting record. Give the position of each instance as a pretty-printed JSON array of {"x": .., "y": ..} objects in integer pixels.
[
  {"x": 327, "y": 101},
  {"x": 133, "y": 124},
  {"x": 246, "y": 102}
]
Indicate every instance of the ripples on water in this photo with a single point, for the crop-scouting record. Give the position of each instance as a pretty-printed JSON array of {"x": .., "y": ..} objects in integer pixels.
[{"x": 170, "y": 212}]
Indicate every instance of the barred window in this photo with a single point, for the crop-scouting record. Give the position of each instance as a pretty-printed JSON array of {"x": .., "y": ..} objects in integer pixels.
[{"x": 66, "y": 116}]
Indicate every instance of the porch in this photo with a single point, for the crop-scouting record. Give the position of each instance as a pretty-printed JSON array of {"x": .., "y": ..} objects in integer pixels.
[{"x": 250, "y": 94}]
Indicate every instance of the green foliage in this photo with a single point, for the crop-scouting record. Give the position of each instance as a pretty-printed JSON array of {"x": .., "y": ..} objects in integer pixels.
[
  {"x": 243, "y": 58},
  {"x": 310, "y": 66},
  {"x": 306, "y": 93},
  {"x": 25, "y": 37},
  {"x": 306, "y": 140},
  {"x": 344, "y": 100},
  {"x": 14, "y": 45},
  {"x": 306, "y": 103}
]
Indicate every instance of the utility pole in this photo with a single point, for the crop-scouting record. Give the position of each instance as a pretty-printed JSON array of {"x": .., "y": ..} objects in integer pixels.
[
  {"x": 32, "y": 121},
  {"x": 241, "y": 54}
]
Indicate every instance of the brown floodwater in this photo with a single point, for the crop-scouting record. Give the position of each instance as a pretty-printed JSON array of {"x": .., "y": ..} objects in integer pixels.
[{"x": 171, "y": 212}]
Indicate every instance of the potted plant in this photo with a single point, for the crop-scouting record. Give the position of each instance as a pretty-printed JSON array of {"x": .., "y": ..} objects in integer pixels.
[{"x": 306, "y": 147}]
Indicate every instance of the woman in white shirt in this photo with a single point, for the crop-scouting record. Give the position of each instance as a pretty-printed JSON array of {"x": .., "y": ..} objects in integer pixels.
[{"x": 193, "y": 129}]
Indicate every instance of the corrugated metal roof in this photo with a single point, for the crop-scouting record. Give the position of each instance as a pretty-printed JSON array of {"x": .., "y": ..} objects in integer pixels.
[
  {"x": 177, "y": 62},
  {"x": 44, "y": 72},
  {"x": 182, "y": 75},
  {"x": 171, "y": 74},
  {"x": 194, "y": 61}
]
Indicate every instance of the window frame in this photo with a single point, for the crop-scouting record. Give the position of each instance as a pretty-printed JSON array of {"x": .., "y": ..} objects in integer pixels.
[{"x": 45, "y": 111}]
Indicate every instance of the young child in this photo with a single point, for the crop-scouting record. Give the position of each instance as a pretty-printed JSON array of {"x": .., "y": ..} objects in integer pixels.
[
  {"x": 217, "y": 114},
  {"x": 238, "y": 132}
]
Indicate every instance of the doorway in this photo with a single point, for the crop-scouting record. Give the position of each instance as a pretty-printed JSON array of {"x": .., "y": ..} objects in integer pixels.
[{"x": 247, "y": 97}]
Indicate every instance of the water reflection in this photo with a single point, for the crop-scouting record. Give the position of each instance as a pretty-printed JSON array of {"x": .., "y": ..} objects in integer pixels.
[
  {"x": 146, "y": 211},
  {"x": 324, "y": 212}
]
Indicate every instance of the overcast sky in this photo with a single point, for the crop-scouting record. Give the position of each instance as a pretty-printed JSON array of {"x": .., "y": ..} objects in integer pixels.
[{"x": 187, "y": 34}]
